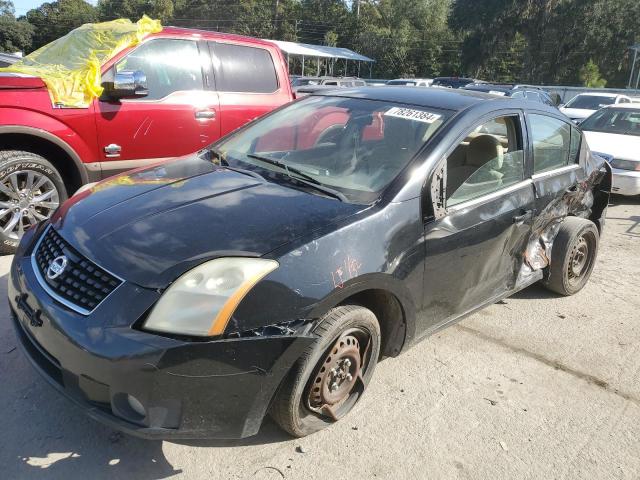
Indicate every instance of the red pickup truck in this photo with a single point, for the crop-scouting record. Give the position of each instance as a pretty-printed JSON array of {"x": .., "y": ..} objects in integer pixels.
[{"x": 174, "y": 93}]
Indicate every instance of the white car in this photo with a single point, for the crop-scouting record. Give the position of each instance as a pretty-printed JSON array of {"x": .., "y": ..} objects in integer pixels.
[
  {"x": 583, "y": 105},
  {"x": 614, "y": 133}
]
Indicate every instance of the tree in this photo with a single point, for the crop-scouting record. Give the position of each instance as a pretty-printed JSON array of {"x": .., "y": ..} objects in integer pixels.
[
  {"x": 590, "y": 76},
  {"x": 162, "y": 10},
  {"x": 15, "y": 35},
  {"x": 55, "y": 19}
]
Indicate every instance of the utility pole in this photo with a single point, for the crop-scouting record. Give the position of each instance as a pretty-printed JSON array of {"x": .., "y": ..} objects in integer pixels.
[
  {"x": 358, "y": 8},
  {"x": 275, "y": 16}
]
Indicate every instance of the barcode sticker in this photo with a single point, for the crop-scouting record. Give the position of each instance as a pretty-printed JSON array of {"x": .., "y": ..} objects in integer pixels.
[{"x": 411, "y": 114}]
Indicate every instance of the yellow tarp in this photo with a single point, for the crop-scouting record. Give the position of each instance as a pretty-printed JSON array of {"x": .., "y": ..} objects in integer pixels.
[{"x": 70, "y": 65}]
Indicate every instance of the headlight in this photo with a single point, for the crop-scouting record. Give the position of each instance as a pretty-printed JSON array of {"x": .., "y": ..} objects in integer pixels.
[{"x": 202, "y": 300}]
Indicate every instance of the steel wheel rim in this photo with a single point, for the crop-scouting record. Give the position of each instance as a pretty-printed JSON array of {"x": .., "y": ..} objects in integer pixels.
[
  {"x": 579, "y": 261},
  {"x": 26, "y": 198},
  {"x": 349, "y": 371}
]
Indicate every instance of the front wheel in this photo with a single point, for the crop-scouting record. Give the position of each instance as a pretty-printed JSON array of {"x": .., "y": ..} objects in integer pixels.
[
  {"x": 332, "y": 374},
  {"x": 573, "y": 255},
  {"x": 30, "y": 190}
]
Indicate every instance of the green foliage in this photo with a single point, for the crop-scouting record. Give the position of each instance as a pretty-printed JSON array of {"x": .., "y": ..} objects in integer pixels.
[
  {"x": 55, "y": 19},
  {"x": 15, "y": 35},
  {"x": 542, "y": 41},
  {"x": 590, "y": 76}
]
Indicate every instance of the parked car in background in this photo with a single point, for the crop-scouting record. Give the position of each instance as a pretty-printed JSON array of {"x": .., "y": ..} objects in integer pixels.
[
  {"x": 452, "y": 82},
  {"x": 411, "y": 82},
  {"x": 327, "y": 83},
  {"x": 614, "y": 133},
  {"x": 302, "y": 81},
  {"x": 7, "y": 59},
  {"x": 172, "y": 94},
  {"x": 524, "y": 92},
  {"x": 272, "y": 271},
  {"x": 584, "y": 104}
]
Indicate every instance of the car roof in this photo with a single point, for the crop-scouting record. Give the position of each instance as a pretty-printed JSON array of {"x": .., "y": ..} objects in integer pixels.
[
  {"x": 445, "y": 99},
  {"x": 489, "y": 86},
  {"x": 629, "y": 106},
  {"x": 212, "y": 35},
  {"x": 599, "y": 94}
]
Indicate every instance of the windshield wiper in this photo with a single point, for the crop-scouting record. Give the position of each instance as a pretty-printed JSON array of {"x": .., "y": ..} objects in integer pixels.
[
  {"x": 301, "y": 176},
  {"x": 225, "y": 163}
]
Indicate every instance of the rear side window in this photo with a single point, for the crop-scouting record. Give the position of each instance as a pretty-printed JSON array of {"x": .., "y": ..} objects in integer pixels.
[
  {"x": 551, "y": 140},
  {"x": 239, "y": 68},
  {"x": 170, "y": 65}
]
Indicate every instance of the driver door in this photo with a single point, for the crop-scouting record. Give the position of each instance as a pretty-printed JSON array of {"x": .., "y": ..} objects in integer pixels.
[
  {"x": 475, "y": 244},
  {"x": 178, "y": 116}
]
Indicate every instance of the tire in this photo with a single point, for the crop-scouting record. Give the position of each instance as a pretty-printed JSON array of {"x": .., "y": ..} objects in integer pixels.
[
  {"x": 291, "y": 407},
  {"x": 573, "y": 256},
  {"x": 19, "y": 207}
]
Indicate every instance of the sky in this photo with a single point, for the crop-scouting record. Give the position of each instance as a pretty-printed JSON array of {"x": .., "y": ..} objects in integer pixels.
[{"x": 23, "y": 6}]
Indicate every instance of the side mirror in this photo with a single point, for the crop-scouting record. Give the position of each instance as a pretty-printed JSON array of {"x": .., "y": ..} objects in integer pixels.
[{"x": 127, "y": 84}]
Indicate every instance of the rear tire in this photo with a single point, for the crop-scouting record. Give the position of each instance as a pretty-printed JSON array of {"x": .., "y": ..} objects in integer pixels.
[
  {"x": 300, "y": 405},
  {"x": 30, "y": 190},
  {"x": 573, "y": 256}
]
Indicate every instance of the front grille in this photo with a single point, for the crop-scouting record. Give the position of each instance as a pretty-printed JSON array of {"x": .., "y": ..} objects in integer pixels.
[
  {"x": 625, "y": 164},
  {"x": 82, "y": 285}
]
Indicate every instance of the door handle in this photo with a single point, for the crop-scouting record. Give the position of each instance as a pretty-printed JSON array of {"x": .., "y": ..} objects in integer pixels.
[
  {"x": 112, "y": 150},
  {"x": 205, "y": 114},
  {"x": 520, "y": 219}
]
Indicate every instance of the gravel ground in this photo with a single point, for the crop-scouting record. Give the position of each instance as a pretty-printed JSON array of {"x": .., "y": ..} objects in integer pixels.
[{"x": 536, "y": 386}]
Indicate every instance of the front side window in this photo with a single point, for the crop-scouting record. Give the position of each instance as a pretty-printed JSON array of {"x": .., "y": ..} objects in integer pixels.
[
  {"x": 611, "y": 120},
  {"x": 490, "y": 158},
  {"x": 170, "y": 65},
  {"x": 239, "y": 68},
  {"x": 354, "y": 146},
  {"x": 551, "y": 140}
]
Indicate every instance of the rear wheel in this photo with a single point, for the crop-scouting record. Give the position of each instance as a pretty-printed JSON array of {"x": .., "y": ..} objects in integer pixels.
[
  {"x": 573, "y": 256},
  {"x": 30, "y": 190},
  {"x": 332, "y": 374}
]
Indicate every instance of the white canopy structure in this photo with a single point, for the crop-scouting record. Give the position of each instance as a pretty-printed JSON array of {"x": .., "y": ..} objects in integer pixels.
[{"x": 323, "y": 55}]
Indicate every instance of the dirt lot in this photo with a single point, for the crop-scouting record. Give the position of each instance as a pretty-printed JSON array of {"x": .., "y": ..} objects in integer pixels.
[{"x": 534, "y": 387}]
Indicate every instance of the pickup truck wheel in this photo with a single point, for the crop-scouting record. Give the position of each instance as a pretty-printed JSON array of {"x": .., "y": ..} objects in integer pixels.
[
  {"x": 332, "y": 374},
  {"x": 573, "y": 255},
  {"x": 30, "y": 191}
]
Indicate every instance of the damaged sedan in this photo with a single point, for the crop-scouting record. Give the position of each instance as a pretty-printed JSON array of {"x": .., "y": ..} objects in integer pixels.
[{"x": 269, "y": 273}]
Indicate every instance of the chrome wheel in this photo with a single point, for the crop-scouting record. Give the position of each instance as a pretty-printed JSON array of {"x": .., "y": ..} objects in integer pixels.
[{"x": 26, "y": 198}]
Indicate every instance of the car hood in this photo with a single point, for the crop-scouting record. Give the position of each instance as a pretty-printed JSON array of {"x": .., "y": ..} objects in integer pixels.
[
  {"x": 151, "y": 225},
  {"x": 619, "y": 146},
  {"x": 577, "y": 113}
]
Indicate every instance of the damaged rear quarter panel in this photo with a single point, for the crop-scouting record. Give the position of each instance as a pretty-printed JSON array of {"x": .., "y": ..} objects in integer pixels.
[{"x": 582, "y": 190}]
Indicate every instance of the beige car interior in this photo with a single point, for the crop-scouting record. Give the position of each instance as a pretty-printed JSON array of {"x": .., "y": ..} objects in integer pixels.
[{"x": 488, "y": 159}]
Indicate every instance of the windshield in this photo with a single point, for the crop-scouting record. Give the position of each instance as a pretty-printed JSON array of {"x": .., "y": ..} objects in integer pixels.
[
  {"x": 590, "y": 102},
  {"x": 609, "y": 120},
  {"x": 354, "y": 147}
]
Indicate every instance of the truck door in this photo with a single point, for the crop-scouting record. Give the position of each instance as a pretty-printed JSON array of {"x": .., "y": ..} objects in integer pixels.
[
  {"x": 177, "y": 117},
  {"x": 247, "y": 83}
]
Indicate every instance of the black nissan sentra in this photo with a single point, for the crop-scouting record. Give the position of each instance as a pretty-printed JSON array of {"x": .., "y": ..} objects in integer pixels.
[{"x": 270, "y": 272}]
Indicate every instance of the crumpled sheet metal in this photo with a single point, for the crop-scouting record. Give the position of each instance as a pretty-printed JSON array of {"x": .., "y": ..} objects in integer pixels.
[
  {"x": 547, "y": 223},
  {"x": 70, "y": 66}
]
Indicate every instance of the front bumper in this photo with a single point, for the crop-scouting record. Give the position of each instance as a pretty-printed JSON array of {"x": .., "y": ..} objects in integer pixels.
[
  {"x": 625, "y": 182},
  {"x": 216, "y": 389}
]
